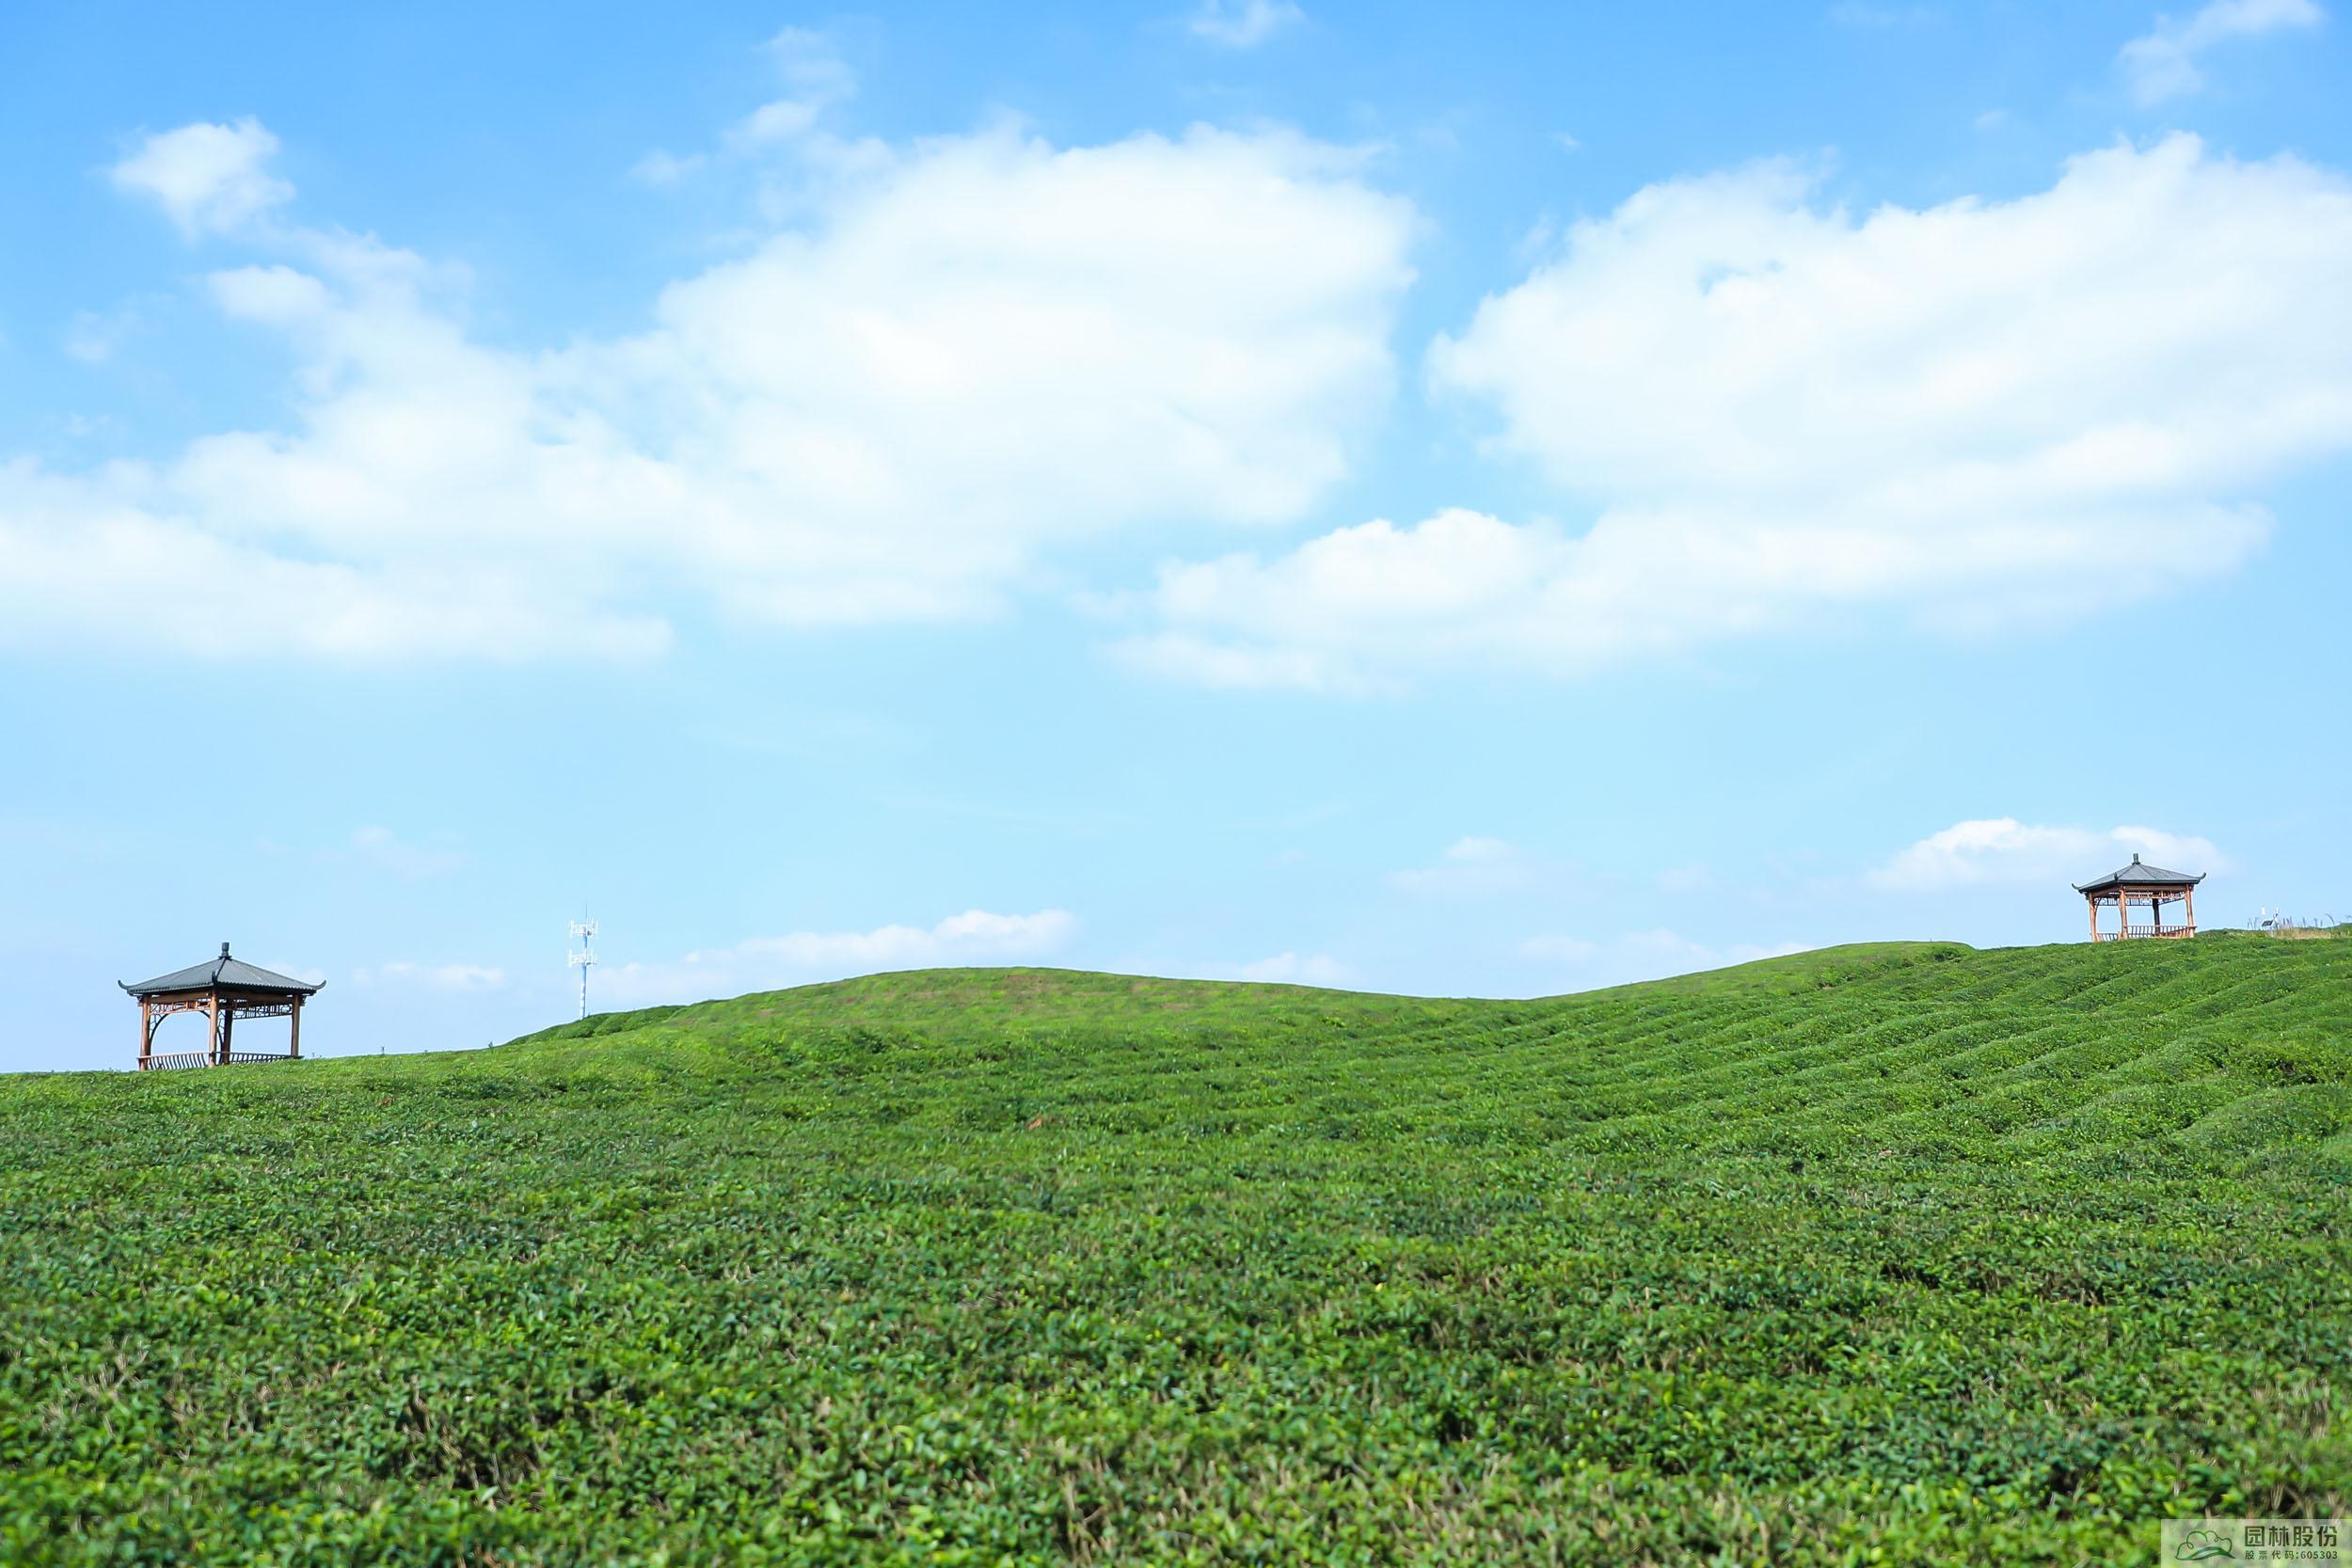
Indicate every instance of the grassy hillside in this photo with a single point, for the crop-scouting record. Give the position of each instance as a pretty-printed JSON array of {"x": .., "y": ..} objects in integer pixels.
[{"x": 1897, "y": 1254}]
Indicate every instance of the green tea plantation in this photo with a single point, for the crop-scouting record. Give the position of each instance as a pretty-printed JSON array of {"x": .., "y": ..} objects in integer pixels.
[{"x": 1907, "y": 1254}]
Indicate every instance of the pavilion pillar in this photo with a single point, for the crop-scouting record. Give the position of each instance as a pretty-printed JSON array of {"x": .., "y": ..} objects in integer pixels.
[
  {"x": 294, "y": 1028},
  {"x": 2091, "y": 900},
  {"x": 2189, "y": 897},
  {"x": 146, "y": 1031},
  {"x": 212, "y": 1027}
]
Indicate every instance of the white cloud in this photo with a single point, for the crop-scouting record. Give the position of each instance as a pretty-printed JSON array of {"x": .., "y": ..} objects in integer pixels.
[
  {"x": 1369, "y": 606},
  {"x": 817, "y": 79},
  {"x": 1472, "y": 868},
  {"x": 971, "y": 349},
  {"x": 2162, "y": 63},
  {"x": 88, "y": 564},
  {"x": 1242, "y": 23},
  {"x": 2003, "y": 850},
  {"x": 1965, "y": 416},
  {"x": 1640, "y": 956},
  {"x": 976, "y": 936},
  {"x": 460, "y": 977},
  {"x": 210, "y": 179},
  {"x": 788, "y": 133}
]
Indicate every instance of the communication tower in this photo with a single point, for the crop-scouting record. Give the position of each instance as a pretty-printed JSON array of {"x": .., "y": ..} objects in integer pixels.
[{"x": 583, "y": 958}]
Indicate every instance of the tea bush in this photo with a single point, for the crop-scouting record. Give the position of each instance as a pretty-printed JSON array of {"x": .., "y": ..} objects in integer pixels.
[{"x": 1898, "y": 1254}]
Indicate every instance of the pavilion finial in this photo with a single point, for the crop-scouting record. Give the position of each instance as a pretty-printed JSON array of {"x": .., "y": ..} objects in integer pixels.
[{"x": 224, "y": 946}]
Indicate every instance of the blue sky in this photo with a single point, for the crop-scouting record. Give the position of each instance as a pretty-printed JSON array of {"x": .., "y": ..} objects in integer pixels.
[{"x": 1440, "y": 501}]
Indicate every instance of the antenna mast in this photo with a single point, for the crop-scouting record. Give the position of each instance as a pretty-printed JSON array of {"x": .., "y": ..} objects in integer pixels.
[{"x": 583, "y": 958}]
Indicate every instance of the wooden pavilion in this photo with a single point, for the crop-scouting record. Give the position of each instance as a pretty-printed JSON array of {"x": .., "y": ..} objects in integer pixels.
[
  {"x": 2150, "y": 887},
  {"x": 224, "y": 991}
]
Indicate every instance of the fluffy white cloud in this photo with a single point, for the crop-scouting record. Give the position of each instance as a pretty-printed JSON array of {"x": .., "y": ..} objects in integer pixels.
[
  {"x": 211, "y": 179},
  {"x": 1242, "y": 23},
  {"x": 2160, "y": 318},
  {"x": 1972, "y": 414},
  {"x": 87, "y": 561},
  {"x": 1369, "y": 606},
  {"x": 966, "y": 350},
  {"x": 976, "y": 936},
  {"x": 2003, "y": 850},
  {"x": 2162, "y": 63}
]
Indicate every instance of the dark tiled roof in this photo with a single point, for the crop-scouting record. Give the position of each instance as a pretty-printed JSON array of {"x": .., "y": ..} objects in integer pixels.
[
  {"x": 225, "y": 971},
  {"x": 2137, "y": 874}
]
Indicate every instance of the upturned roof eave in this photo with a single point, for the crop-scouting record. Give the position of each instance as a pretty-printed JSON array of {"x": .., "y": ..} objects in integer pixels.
[
  {"x": 149, "y": 989},
  {"x": 211, "y": 976},
  {"x": 2176, "y": 878}
]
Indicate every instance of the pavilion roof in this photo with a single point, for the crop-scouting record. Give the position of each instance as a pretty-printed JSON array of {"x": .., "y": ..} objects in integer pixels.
[
  {"x": 226, "y": 973},
  {"x": 2139, "y": 874}
]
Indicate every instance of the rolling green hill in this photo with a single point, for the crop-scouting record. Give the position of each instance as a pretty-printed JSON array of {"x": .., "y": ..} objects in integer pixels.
[{"x": 1904, "y": 1254}]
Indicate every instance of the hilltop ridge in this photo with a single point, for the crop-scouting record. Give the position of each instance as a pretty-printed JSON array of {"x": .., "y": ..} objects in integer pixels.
[{"x": 1995, "y": 1041}]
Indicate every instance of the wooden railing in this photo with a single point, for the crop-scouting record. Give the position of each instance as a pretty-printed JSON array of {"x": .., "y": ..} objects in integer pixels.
[
  {"x": 2137, "y": 931},
  {"x": 168, "y": 1060}
]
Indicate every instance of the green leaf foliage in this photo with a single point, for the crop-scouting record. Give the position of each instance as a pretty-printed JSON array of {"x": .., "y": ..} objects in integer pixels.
[{"x": 1903, "y": 1253}]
